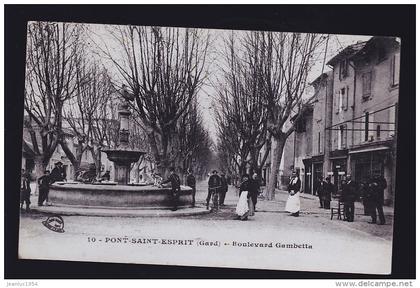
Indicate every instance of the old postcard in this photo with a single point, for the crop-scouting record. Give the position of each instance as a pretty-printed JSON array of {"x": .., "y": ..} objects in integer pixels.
[{"x": 204, "y": 147}]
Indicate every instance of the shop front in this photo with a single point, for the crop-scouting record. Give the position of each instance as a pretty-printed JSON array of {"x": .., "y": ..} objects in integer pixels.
[
  {"x": 375, "y": 161},
  {"x": 338, "y": 170}
]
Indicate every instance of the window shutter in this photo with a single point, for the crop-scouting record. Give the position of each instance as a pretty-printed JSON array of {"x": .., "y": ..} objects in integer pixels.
[
  {"x": 391, "y": 120},
  {"x": 371, "y": 127},
  {"x": 397, "y": 69},
  {"x": 345, "y": 136},
  {"x": 347, "y": 98},
  {"x": 339, "y": 138},
  {"x": 362, "y": 129},
  {"x": 336, "y": 104}
]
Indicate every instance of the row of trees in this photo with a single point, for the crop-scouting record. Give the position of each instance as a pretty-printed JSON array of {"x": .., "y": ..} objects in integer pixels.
[
  {"x": 68, "y": 86},
  {"x": 262, "y": 88}
]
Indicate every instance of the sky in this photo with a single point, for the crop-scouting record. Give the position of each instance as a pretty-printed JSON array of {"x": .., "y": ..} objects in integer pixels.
[
  {"x": 335, "y": 44},
  {"x": 98, "y": 37}
]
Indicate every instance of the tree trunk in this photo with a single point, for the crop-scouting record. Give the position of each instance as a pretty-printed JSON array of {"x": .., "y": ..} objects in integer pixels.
[
  {"x": 75, "y": 160},
  {"x": 40, "y": 167},
  {"x": 96, "y": 155},
  {"x": 276, "y": 152},
  {"x": 138, "y": 172}
]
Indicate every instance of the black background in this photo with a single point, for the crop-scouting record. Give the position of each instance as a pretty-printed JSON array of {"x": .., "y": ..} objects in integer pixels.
[{"x": 385, "y": 20}]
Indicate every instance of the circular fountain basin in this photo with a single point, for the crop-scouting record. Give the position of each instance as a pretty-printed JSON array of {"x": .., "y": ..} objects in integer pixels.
[{"x": 117, "y": 196}]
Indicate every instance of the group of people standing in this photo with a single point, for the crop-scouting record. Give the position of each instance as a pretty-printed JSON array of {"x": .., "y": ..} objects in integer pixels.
[
  {"x": 371, "y": 192},
  {"x": 217, "y": 189},
  {"x": 324, "y": 190},
  {"x": 249, "y": 190},
  {"x": 44, "y": 182}
]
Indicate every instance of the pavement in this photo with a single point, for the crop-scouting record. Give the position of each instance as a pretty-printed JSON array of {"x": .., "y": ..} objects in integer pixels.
[{"x": 219, "y": 240}]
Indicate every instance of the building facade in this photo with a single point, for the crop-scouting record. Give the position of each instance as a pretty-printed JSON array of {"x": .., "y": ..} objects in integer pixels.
[{"x": 350, "y": 127}]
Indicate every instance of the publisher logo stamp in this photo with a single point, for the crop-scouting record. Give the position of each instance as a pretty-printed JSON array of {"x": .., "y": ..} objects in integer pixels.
[{"x": 54, "y": 223}]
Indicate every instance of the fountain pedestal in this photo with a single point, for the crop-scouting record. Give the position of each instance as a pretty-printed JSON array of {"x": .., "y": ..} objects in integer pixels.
[
  {"x": 122, "y": 159},
  {"x": 123, "y": 156}
]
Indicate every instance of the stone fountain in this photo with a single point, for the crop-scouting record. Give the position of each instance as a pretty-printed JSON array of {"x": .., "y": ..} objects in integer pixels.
[
  {"x": 123, "y": 155},
  {"x": 118, "y": 198}
]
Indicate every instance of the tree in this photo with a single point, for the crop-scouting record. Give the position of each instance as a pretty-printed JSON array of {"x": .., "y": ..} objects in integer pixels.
[
  {"x": 193, "y": 140},
  {"x": 53, "y": 52},
  {"x": 242, "y": 109},
  {"x": 91, "y": 114},
  {"x": 288, "y": 58},
  {"x": 163, "y": 68}
]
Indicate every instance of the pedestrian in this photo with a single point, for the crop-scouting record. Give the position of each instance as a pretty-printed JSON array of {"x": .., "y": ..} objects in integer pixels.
[
  {"x": 243, "y": 207},
  {"x": 191, "y": 183},
  {"x": 106, "y": 176},
  {"x": 254, "y": 189},
  {"x": 25, "y": 190},
  {"x": 175, "y": 187},
  {"x": 213, "y": 190},
  {"x": 348, "y": 197},
  {"x": 44, "y": 188},
  {"x": 366, "y": 197},
  {"x": 328, "y": 191},
  {"x": 229, "y": 180},
  {"x": 293, "y": 202},
  {"x": 320, "y": 186},
  {"x": 58, "y": 173},
  {"x": 223, "y": 189},
  {"x": 377, "y": 187}
]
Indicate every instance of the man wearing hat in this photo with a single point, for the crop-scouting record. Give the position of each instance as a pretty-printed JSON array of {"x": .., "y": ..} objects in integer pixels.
[
  {"x": 377, "y": 186},
  {"x": 328, "y": 191},
  {"x": 223, "y": 189},
  {"x": 176, "y": 187},
  {"x": 58, "y": 173},
  {"x": 214, "y": 188},
  {"x": 349, "y": 196}
]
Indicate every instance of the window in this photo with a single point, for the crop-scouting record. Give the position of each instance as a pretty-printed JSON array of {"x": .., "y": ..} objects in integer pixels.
[
  {"x": 366, "y": 134},
  {"x": 395, "y": 70},
  {"x": 378, "y": 132},
  {"x": 319, "y": 143},
  {"x": 342, "y": 137},
  {"x": 392, "y": 126},
  {"x": 343, "y": 69},
  {"x": 344, "y": 98},
  {"x": 367, "y": 84},
  {"x": 340, "y": 100}
]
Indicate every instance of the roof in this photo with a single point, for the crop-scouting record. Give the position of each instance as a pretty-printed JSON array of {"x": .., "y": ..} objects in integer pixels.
[
  {"x": 347, "y": 52},
  {"x": 375, "y": 43},
  {"x": 321, "y": 77}
]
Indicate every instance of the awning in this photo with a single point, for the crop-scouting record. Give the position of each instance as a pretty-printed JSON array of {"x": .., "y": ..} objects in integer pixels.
[{"x": 369, "y": 150}]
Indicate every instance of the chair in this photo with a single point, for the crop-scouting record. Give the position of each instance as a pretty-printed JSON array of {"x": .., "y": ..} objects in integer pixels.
[{"x": 339, "y": 211}]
